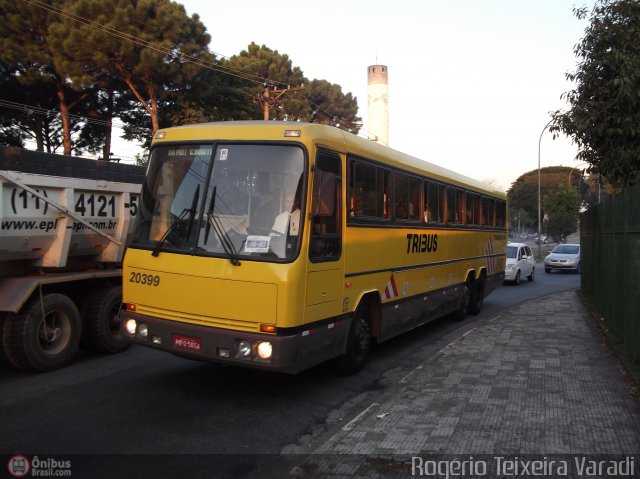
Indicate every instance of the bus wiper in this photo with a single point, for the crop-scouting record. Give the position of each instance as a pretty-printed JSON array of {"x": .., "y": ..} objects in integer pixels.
[
  {"x": 227, "y": 245},
  {"x": 212, "y": 206},
  {"x": 187, "y": 211},
  {"x": 225, "y": 241}
]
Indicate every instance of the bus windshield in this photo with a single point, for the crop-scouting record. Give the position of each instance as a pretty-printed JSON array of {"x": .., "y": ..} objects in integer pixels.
[{"x": 238, "y": 201}]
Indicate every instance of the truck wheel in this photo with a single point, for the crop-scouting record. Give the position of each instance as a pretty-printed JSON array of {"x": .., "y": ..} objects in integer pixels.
[
  {"x": 43, "y": 342},
  {"x": 4, "y": 359},
  {"x": 358, "y": 342},
  {"x": 101, "y": 332}
]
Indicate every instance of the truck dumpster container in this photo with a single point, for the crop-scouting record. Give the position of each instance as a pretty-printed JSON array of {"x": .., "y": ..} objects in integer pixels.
[{"x": 64, "y": 223}]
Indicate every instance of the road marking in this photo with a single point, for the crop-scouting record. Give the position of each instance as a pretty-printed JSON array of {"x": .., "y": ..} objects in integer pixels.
[
  {"x": 471, "y": 330},
  {"x": 350, "y": 425},
  {"x": 405, "y": 379}
]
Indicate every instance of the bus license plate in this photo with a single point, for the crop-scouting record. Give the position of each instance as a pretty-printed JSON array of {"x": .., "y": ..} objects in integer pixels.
[{"x": 187, "y": 343}]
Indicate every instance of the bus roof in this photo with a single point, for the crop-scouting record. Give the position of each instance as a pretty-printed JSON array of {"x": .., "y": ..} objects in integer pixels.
[{"x": 324, "y": 135}]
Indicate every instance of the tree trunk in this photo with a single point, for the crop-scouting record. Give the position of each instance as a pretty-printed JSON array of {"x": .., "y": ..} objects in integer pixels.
[
  {"x": 106, "y": 149},
  {"x": 151, "y": 109},
  {"x": 38, "y": 132},
  {"x": 154, "y": 111},
  {"x": 66, "y": 123}
]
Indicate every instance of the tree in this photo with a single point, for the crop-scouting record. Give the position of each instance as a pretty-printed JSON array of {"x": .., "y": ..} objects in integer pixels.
[
  {"x": 30, "y": 111},
  {"x": 522, "y": 196},
  {"x": 603, "y": 118},
  {"x": 262, "y": 67},
  {"x": 598, "y": 190},
  {"x": 320, "y": 101},
  {"x": 328, "y": 105},
  {"x": 562, "y": 211},
  {"x": 26, "y": 50},
  {"x": 151, "y": 45},
  {"x": 101, "y": 108},
  {"x": 209, "y": 96}
]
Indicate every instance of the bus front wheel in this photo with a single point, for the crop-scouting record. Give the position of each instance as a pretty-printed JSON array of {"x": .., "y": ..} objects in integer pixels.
[{"x": 358, "y": 342}]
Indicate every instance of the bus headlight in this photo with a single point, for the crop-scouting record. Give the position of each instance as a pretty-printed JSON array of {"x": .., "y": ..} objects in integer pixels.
[
  {"x": 265, "y": 349},
  {"x": 130, "y": 325},
  {"x": 244, "y": 348}
]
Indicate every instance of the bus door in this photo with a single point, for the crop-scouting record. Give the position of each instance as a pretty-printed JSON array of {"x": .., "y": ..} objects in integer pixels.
[{"x": 326, "y": 266}]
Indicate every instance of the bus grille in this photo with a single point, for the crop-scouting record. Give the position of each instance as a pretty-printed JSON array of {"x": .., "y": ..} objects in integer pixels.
[{"x": 182, "y": 317}]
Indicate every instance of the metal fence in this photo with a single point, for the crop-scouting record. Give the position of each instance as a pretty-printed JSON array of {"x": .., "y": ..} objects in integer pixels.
[{"x": 610, "y": 239}]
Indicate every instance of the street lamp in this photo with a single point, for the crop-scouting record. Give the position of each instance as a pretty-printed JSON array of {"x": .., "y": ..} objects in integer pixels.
[
  {"x": 539, "y": 218},
  {"x": 570, "y": 172}
]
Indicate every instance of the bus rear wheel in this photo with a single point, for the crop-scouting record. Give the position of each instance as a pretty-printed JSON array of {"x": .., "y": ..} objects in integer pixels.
[
  {"x": 358, "y": 342},
  {"x": 477, "y": 297},
  {"x": 465, "y": 301}
]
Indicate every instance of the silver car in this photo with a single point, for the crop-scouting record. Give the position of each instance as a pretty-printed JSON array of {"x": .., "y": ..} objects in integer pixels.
[{"x": 563, "y": 256}]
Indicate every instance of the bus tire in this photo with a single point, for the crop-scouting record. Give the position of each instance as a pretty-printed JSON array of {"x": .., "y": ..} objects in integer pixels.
[
  {"x": 101, "y": 332},
  {"x": 358, "y": 342},
  {"x": 463, "y": 308},
  {"x": 38, "y": 343},
  {"x": 476, "y": 299}
]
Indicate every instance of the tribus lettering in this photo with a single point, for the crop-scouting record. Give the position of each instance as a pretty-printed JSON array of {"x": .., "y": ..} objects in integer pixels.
[{"x": 422, "y": 243}]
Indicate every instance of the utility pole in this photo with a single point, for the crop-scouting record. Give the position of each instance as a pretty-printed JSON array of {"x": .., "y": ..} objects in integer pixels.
[{"x": 270, "y": 97}]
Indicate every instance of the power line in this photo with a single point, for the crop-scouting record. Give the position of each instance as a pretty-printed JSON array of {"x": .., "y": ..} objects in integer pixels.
[
  {"x": 153, "y": 46},
  {"x": 172, "y": 51},
  {"x": 43, "y": 111}
]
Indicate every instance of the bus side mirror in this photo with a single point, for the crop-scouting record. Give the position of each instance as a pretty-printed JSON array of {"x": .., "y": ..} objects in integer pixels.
[{"x": 324, "y": 193}]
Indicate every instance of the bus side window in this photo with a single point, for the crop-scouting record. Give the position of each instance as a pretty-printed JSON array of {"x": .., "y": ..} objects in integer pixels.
[
  {"x": 453, "y": 205},
  {"x": 434, "y": 205},
  {"x": 469, "y": 207},
  {"x": 406, "y": 195},
  {"x": 326, "y": 222}
]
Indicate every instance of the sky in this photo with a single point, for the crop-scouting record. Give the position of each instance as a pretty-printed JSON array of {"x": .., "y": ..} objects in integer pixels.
[{"x": 471, "y": 82}]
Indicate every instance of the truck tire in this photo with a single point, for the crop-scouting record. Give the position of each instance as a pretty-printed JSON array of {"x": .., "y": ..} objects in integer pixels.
[
  {"x": 34, "y": 342},
  {"x": 358, "y": 342},
  {"x": 4, "y": 359},
  {"x": 101, "y": 331}
]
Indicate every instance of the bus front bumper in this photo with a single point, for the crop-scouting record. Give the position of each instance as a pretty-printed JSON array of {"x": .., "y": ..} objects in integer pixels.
[{"x": 216, "y": 345}]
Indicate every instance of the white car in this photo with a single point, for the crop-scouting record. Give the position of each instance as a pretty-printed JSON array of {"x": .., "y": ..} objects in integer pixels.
[
  {"x": 520, "y": 262},
  {"x": 563, "y": 256}
]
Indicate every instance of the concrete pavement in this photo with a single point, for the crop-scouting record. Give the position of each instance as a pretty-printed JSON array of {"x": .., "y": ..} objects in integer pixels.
[{"x": 538, "y": 382}]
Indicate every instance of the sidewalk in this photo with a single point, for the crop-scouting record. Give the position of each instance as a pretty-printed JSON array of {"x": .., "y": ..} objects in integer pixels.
[{"x": 537, "y": 379}]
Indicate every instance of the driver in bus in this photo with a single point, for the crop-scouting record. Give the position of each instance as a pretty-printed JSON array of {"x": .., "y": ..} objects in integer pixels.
[{"x": 289, "y": 218}]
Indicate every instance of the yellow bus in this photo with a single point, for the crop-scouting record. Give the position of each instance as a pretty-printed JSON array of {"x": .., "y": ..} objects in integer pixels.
[{"x": 281, "y": 245}]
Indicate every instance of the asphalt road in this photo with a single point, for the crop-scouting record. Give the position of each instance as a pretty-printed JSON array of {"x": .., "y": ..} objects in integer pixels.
[{"x": 147, "y": 402}]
